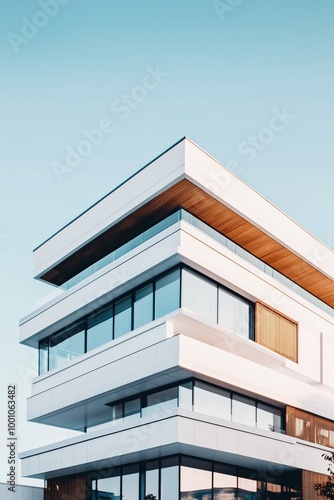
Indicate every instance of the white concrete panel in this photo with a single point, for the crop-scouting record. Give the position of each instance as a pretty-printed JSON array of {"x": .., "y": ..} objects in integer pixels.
[
  {"x": 153, "y": 179},
  {"x": 129, "y": 444}
]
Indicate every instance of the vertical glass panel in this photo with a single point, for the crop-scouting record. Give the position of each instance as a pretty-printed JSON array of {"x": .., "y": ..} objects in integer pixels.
[
  {"x": 152, "y": 484},
  {"x": 109, "y": 488},
  {"x": 212, "y": 401},
  {"x": 268, "y": 418},
  {"x": 161, "y": 401},
  {"x": 132, "y": 407},
  {"x": 186, "y": 396},
  {"x": 130, "y": 486},
  {"x": 43, "y": 356},
  {"x": 66, "y": 346},
  {"x": 170, "y": 483},
  {"x": 167, "y": 293},
  {"x": 143, "y": 306},
  {"x": 122, "y": 320},
  {"x": 117, "y": 411},
  {"x": 199, "y": 295},
  {"x": 243, "y": 410},
  {"x": 247, "y": 489},
  {"x": 99, "y": 329},
  {"x": 195, "y": 484},
  {"x": 233, "y": 313},
  {"x": 224, "y": 486}
]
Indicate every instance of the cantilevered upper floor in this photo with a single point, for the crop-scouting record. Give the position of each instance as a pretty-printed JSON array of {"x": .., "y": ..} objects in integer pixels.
[{"x": 186, "y": 177}]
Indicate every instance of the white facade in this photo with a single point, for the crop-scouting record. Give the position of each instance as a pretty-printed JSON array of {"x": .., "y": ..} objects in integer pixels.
[{"x": 198, "y": 338}]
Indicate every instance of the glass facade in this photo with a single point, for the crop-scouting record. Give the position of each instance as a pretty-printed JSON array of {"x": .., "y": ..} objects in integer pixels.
[
  {"x": 182, "y": 214},
  {"x": 201, "y": 397},
  {"x": 140, "y": 306},
  {"x": 66, "y": 345},
  {"x": 160, "y": 296},
  {"x": 100, "y": 328},
  {"x": 199, "y": 295},
  {"x": 190, "y": 478},
  {"x": 234, "y": 314}
]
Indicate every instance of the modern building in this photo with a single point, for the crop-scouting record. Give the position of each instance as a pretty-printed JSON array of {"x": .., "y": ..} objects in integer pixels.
[{"x": 191, "y": 343}]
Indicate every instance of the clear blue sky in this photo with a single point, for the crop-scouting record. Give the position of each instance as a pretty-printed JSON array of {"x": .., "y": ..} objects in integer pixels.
[{"x": 251, "y": 81}]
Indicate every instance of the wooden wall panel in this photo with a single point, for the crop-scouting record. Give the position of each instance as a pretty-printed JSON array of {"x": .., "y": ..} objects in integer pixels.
[
  {"x": 276, "y": 332},
  {"x": 309, "y": 479},
  {"x": 66, "y": 488},
  {"x": 309, "y": 427}
]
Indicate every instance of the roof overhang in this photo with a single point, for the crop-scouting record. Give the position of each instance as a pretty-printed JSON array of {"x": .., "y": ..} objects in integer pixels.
[{"x": 204, "y": 187}]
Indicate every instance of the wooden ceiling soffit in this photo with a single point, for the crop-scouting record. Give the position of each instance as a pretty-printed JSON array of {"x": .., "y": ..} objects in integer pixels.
[{"x": 186, "y": 195}]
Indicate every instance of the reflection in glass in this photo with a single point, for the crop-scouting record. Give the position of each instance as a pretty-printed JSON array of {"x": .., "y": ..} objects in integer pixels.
[
  {"x": 66, "y": 346},
  {"x": 186, "y": 396},
  {"x": 143, "y": 306},
  {"x": 234, "y": 313},
  {"x": 169, "y": 483},
  {"x": 199, "y": 295},
  {"x": 224, "y": 486},
  {"x": 99, "y": 329},
  {"x": 243, "y": 410},
  {"x": 167, "y": 293},
  {"x": 160, "y": 401},
  {"x": 195, "y": 484},
  {"x": 117, "y": 411},
  {"x": 212, "y": 400},
  {"x": 152, "y": 481},
  {"x": 247, "y": 489},
  {"x": 109, "y": 488},
  {"x": 268, "y": 418},
  {"x": 130, "y": 486},
  {"x": 122, "y": 323},
  {"x": 43, "y": 356},
  {"x": 132, "y": 407}
]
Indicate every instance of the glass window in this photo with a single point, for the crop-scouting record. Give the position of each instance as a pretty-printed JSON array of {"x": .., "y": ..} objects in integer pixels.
[
  {"x": 43, "y": 356},
  {"x": 123, "y": 311},
  {"x": 108, "y": 488},
  {"x": 247, "y": 489},
  {"x": 268, "y": 418},
  {"x": 167, "y": 293},
  {"x": 160, "y": 401},
  {"x": 152, "y": 481},
  {"x": 132, "y": 407},
  {"x": 186, "y": 396},
  {"x": 195, "y": 484},
  {"x": 143, "y": 306},
  {"x": 243, "y": 410},
  {"x": 66, "y": 346},
  {"x": 130, "y": 486},
  {"x": 117, "y": 411},
  {"x": 170, "y": 483},
  {"x": 99, "y": 329},
  {"x": 224, "y": 486},
  {"x": 212, "y": 401},
  {"x": 199, "y": 295},
  {"x": 234, "y": 313}
]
